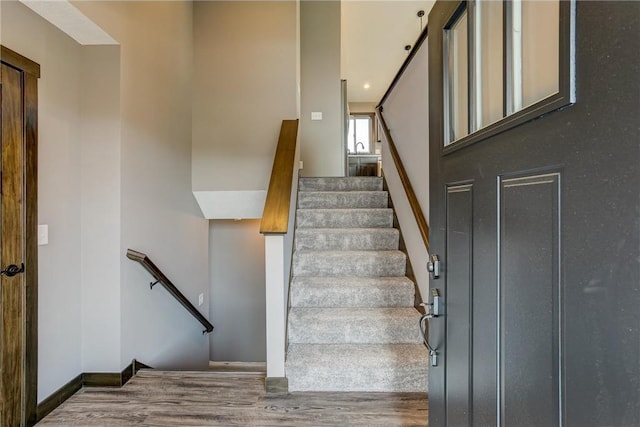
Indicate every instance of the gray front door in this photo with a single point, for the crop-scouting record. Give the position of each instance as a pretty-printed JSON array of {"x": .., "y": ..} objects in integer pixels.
[{"x": 537, "y": 225}]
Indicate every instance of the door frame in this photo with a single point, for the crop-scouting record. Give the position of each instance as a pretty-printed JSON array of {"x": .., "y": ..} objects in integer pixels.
[{"x": 30, "y": 73}]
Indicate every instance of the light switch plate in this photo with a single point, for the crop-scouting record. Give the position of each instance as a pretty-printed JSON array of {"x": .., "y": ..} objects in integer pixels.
[
  {"x": 316, "y": 115},
  {"x": 43, "y": 234},
  {"x": 200, "y": 299}
]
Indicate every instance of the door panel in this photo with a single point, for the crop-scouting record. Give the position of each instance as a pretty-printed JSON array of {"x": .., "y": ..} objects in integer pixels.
[
  {"x": 18, "y": 244},
  {"x": 459, "y": 317},
  {"x": 555, "y": 232},
  {"x": 528, "y": 291},
  {"x": 12, "y": 250}
]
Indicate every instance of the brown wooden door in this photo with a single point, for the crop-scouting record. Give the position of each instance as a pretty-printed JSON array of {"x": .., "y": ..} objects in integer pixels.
[{"x": 18, "y": 223}]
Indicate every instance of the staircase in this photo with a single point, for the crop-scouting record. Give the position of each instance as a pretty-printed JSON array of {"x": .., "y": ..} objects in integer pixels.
[{"x": 352, "y": 322}]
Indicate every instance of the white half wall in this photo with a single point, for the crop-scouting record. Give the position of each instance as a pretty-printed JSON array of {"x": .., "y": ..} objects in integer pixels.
[
  {"x": 406, "y": 111},
  {"x": 276, "y": 305},
  {"x": 278, "y": 261}
]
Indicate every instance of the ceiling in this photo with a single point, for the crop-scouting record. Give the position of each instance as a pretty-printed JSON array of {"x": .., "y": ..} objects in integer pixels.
[{"x": 374, "y": 34}]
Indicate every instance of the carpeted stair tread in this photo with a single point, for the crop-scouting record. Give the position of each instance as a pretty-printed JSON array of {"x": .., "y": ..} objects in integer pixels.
[
  {"x": 343, "y": 199},
  {"x": 354, "y": 325},
  {"x": 340, "y": 184},
  {"x": 351, "y": 325},
  {"x": 347, "y": 239},
  {"x": 352, "y": 292},
  {"x": 345, "y": 218},
  {"x": 357, "y": 367},
  {"x": 349, "y": 263}
]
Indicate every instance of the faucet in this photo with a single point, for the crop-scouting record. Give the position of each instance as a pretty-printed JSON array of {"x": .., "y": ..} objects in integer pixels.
[{"x": 359, "y": 143}]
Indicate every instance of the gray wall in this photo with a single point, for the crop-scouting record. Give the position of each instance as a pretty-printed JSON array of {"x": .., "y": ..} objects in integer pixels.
[
  {"x": 159, "y": 215},
  {"x": 245, "y": 74},
  {"x": 115, "y": 172},
  {"x": 237, "y": 307},
  {"x": 100, "y": 150},
  {"x": 79, "y": 198},
  {"x": 59, "y": 186},
  {"x": 406, "y": 111},
  {"x": 322, "y": 151}
]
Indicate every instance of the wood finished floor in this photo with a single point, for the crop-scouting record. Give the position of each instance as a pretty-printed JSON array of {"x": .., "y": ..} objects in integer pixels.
[{"x": 154, "y": 398}]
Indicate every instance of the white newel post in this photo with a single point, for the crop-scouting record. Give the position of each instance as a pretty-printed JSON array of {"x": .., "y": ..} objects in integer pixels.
[{"x": 275, "y": 300}]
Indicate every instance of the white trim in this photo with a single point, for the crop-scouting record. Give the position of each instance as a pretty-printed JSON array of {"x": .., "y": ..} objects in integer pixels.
[
  {"x": 231, "y": 204},
  {"x": 275, "y": 304}
]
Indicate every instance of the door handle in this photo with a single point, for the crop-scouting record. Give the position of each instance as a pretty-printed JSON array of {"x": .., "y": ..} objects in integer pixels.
[
  {"x": 433, "y": 266},
  {"x": 433, "y": 310},
  {"x": 12, "y": 270}
]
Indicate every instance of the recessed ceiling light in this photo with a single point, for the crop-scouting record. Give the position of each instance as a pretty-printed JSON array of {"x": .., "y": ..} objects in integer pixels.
[{"x": 367, "y": 86}]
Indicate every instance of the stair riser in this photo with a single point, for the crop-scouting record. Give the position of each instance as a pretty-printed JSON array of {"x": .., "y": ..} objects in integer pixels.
[
  {"x": 343, "y": 200},
  {"x": 335, "y": 264},
  {"x": 334, "y": 296},
  {"x": 340, "y": 184},
  {"x": 347, "y": 239},
  {"x": 347, "y": 367},
  {"x": 342, "y": 218},
  {"x": 309, "y": 329},
  {"x": 390, "y": 379}
]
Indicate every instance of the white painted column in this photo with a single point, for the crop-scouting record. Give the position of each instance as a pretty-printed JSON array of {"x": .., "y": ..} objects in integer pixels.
[{"x": 274, "y": 287}]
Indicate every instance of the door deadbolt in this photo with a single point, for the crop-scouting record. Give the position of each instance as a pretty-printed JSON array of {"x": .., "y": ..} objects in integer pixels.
[
  {"x": 433, "y": 266},
  {"x": 12, "y": 270}
]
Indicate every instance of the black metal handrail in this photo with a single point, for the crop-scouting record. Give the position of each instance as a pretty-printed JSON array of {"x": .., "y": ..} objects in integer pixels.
[{"x": 170, "y": 287}]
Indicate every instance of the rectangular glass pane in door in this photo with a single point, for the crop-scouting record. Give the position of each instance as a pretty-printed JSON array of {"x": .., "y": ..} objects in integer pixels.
[
  {"x": 536, "y": 60},
  {"x": 540, "y": 58},
  {"x": 491, "y": 59},
  {"x": 457, "y": 79}
]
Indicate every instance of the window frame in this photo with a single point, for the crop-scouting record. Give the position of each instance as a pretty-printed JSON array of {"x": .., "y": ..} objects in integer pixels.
[
  {"x": 565, "y": 96},
  {"x": 372, "y": 136}
]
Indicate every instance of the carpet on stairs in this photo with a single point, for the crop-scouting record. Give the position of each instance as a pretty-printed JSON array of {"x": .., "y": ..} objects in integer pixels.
[{"x": 352, "y": 325}]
